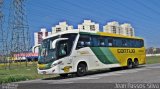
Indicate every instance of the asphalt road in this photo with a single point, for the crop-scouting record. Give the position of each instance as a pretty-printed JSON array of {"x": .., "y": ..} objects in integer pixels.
[{"x": 144, "y": 77}]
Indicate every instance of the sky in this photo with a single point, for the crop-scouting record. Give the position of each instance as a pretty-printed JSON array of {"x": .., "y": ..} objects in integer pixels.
[{"x": 143, "y": 15}]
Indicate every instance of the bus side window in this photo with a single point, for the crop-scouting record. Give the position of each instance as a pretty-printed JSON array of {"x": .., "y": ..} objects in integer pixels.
[
  {"x": 84, "y": 41},
  {"x": 127, "y": 43},
  {"x": 95, "y": 41},
  {"x": 139, "y": 43},
  {"x": 132, "y": 43},
  {"x": 118, "y": 42},
  {"x": 101, "y": 41},
  {"x": 124, "y": 43},
  {"x": 142, "y": 43},
  {"x": 110, "y": 42}
]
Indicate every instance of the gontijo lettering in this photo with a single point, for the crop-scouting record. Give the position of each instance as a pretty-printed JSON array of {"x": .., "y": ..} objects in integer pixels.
[{"x": 125, "y": 50}]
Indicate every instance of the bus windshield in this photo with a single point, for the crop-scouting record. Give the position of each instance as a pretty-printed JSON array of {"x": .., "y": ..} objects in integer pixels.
[
  {"x": 46, "y": 52},
  {"x": 63, "y": 48}
]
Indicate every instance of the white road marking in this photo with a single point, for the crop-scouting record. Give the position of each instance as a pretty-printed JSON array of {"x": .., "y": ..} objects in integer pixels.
[
  {"x": 63, "y": 82},
  {"x": 89, "y": 78},
  {"x": 154, "y": 67}
]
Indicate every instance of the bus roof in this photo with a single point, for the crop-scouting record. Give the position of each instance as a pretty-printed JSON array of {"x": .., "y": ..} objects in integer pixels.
[{"x": 91, "y": 33}]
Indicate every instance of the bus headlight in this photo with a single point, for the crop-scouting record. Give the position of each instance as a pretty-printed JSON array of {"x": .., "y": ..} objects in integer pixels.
[{"x": 55, "y": 64}]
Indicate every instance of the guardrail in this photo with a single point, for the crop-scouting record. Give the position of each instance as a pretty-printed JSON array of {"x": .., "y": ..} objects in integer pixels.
[{"x": 148, "y": 55}]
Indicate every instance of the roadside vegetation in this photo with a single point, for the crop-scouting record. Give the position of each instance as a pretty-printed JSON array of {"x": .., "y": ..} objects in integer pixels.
[
  {"x": 19, "y": 71},
  {"x": 153, "y": 59}
]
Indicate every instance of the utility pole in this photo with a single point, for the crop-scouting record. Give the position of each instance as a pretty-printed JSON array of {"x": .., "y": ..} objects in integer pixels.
[
  {"x": 18, "y": 26},
  {"x": 1, "y": 32}
]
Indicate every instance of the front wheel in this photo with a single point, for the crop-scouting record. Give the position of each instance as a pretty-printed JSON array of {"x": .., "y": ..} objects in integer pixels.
[{"x": 81, "y": 70}]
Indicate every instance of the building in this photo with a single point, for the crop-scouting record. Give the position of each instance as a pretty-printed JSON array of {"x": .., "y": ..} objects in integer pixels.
[
  {"x": 38, "y": 37},
  {"x": 29, "y": 56},
  {"x": 113, "y": 27},
  {"x": 62, "y": 26},
  {"x": 88, "y": 26},
  {"x": 123, "y": 29},
  {"x": 128, "y": 30}
]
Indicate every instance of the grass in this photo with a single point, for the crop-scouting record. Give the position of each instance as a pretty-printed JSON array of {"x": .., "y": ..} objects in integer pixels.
[
  {"x": 153, "y": 59},
  {"x": 19, "y": 72}
]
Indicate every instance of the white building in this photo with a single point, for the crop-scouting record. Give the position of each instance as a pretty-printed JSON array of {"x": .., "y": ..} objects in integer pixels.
[
  {"x": 62, "y": 26},
  {"x": 88, "y": 26},
  {"x": 38, "y": 37},
  {"x": 123, "y": 29},
  {"x": 112, "y": 27},
  {"x": 128, "y": 30}
]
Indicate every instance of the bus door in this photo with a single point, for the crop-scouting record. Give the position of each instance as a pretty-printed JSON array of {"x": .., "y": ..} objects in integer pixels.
[{"x": 64, "y": 51}]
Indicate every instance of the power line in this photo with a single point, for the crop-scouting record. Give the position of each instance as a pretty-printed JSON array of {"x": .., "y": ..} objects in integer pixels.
[
  {"x": 139, "y": 2},
  {"x": 18, "y": 26}
]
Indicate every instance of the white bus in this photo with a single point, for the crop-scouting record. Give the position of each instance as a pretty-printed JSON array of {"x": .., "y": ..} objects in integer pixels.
[{"x": 77, "y": 52}]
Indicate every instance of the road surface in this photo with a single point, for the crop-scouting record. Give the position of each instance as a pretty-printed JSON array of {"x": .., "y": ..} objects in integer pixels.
[{"x": 147, "y": 76}]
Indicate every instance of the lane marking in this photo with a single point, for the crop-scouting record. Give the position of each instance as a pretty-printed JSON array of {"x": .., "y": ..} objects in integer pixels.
[
  {"x": 154, "y": 67},
  {"x": 60, "y": 82},
  {"x": 89, "y": 78}
]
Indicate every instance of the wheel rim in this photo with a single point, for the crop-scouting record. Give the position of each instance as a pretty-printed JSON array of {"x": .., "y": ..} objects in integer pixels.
[
  {"x": 136, "y": 63},
  {"x": 130, "y": 64},
  {"x": 81, "y": 70}
]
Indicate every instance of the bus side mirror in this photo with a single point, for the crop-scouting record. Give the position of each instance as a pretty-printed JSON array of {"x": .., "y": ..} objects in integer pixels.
[
  {"x": 34, "y": 47},
  {"x": 55, "y": 41}
]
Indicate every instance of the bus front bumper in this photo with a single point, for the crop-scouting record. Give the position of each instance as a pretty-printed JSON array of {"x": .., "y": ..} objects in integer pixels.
[{"x": 53, "y": 70}]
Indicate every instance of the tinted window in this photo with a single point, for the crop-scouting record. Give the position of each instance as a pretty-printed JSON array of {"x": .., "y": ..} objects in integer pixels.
[
  {"x": 84, "y": 41},
  {"x": 104, "y": 41},
  {"x": 110, "y": 42},
  {"x": 70, "y": 41},
  {"x": 95, "y": 40}
]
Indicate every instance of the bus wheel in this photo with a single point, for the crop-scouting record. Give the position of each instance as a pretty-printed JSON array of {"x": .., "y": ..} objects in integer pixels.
[
  {"x": 81, "y": 69},
  {"x": 63, "y": 75},
  {"x": 129, "y": 64},
  {"x": 136, "y": 63}
]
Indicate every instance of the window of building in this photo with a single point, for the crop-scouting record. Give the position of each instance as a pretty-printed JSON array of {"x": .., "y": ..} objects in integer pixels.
[
  {"x": 113, "y": 29},
  {"x": 58, "y": 29},
  {"x": 127, "y": 31},
  {"x": 131, "y": 31},
  {"x": 83, "y": 27},
  {"x": 92, "y": 27}
]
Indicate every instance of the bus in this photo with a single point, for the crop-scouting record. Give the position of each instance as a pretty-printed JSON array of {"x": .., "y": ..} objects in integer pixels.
[{"x": 76, "y": 51}]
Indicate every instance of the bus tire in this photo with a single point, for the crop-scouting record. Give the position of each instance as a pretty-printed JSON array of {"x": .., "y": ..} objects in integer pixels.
[
  {"x": 63, "y": 75},
  {"x": 81, "y": 69},
  {"x": 136, "y": 63},
  {"x": 129, "y": 64}
]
